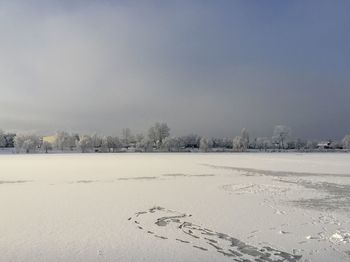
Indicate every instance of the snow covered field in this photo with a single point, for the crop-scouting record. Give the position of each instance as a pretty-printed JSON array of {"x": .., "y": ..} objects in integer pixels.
[{"x": 175, "y": 207}]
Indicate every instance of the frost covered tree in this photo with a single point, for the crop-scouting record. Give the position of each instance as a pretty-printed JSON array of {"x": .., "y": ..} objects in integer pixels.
[
  {"x": 245, "y": 138},
  {"x": 127, "y": 137},
  {"x": 114, "y": 143},
  {"x": 96, "y": 141},
  {"x": 152, "y": 135},
  {"x": 158, "y": 133},
  {"x": 263, "y": 143},
  {"x": 104, "y": 145},
  {"x": 346, "y": 142},
  {"x": 27, "y": 143},
  {"x": 85, "y": 144},
  {"x": 281, "y": 134},
  {"x": 145, "y": 145},
  {"x": 139, "y": 137},
  {"x": 61, "y": 140},
  {"x": 9, "y": 139},
  {"x": 65, "y": 141},
  {"x": 300, "y": 144},
  {"x": 336, "y": 145},
  {"x": 311, "y": 145},
  {"x": 110, "y": 144},
  {"x": 204, "y": 144},
  {"x": 3, "y": 140},
  {"x": 238, "y": 144},
  {"x": 171, "y": 144},
  {"x": 46, "y": 146},
  {"x": 190, "y": 141},
  {"x": 221, "y": 142}
]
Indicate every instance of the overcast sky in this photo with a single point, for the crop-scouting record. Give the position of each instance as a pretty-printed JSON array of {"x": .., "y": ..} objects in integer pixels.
[{"x": 209, "y": 67}]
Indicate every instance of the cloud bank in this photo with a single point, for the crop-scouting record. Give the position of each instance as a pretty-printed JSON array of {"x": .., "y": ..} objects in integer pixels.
[{"x": 210, "y": 67}]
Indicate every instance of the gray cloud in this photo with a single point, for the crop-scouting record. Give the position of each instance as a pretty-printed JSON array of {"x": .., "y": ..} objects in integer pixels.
[{"x": 204, "y": 67}]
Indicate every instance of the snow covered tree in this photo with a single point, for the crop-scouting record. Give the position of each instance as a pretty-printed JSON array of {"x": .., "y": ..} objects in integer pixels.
[
  {"x": 280, "y": 135},
  {"x": 152, "y": 135},
  {"x": 10, "y": 140},
  {"x": 158, "y": 133},
  {"x": 190, "y": 141},
  {"x": 346, "y": 142},
  {"x": 85, "y": 144},
  {"x": 336, "y": 145},
  {"x": 221, "y": 142},
  {"x": 171, "y": 144},
  {"x": 217, "y": 142},
  {"x": 238, "y": 144},
  {"x": 3, "y": 140},
  {"x": 245, "y": 138},
  {"x": 114, "y": 143},
  {"x": 300, "y": 144},
  {"x": 27, "y": 143},
  {"x": 104, "y": 145},
  {"x": 253, "y": 144},
  {"x": 96, "y": 141},
  {"x": 46, "y": 146},
  {"x": 145, "y": 145},
  {"x": 311, "y": 145},
  {"x": 61, "y": 140},
  {"x": 204, "y": 144},
  {"x": 263, "y": 143},
  {"x": 127, "y": 137},
  {"x": 65, "y": 141},
  {"x": 139, "y": 137}
]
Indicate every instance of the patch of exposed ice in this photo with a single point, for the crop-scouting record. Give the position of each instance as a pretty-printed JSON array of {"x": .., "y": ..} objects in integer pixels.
[{"x": 268, "y": 189}]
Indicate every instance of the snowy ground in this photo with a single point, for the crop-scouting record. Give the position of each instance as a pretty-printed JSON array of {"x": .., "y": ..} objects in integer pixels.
[{"x": 175, "y": 207}]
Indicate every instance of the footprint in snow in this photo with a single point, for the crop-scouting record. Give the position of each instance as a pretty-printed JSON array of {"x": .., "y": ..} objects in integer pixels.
[{"x": 166, "y": 224}]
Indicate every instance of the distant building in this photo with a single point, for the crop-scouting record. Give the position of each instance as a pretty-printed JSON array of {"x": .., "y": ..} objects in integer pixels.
[
  {"x": 324, "y": 145},
  {"x": 49, "y": 139}
]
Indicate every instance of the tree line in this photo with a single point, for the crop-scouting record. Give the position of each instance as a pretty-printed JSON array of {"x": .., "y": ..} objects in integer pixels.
[{"x": 158, "y": 139}]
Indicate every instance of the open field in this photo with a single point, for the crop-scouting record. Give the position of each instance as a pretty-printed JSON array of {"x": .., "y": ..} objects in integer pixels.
[{"x": 175, "y": 207}]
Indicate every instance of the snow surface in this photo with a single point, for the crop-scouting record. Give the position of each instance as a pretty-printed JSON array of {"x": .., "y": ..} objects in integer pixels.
[{"x": 175, "y": 207}]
